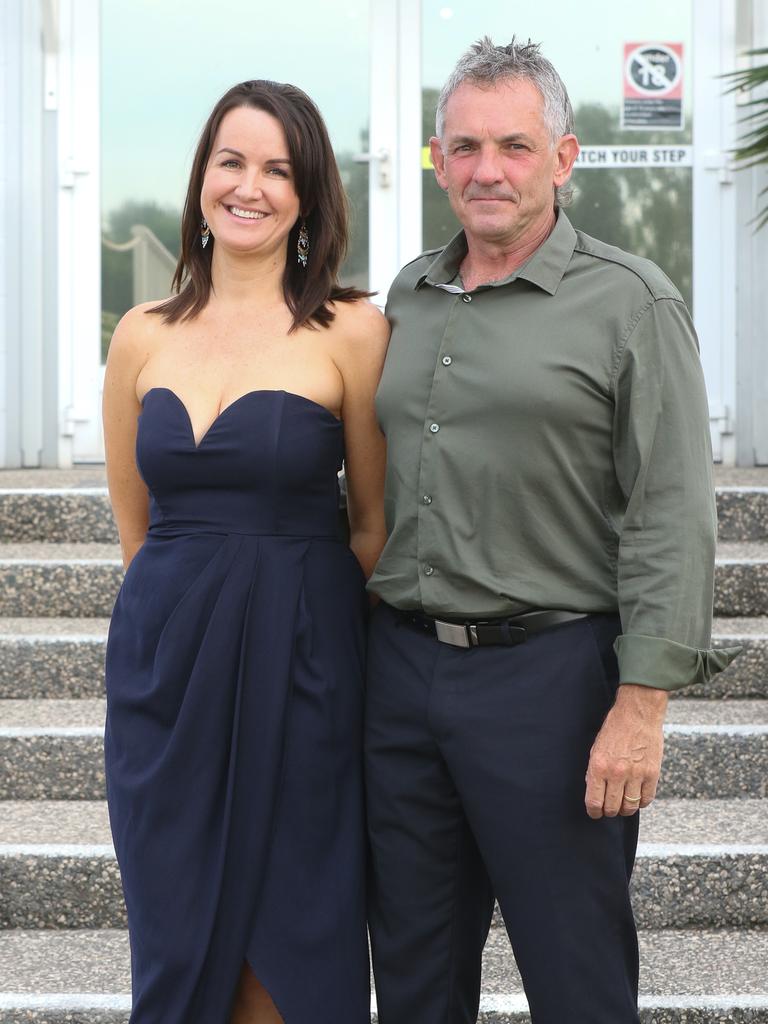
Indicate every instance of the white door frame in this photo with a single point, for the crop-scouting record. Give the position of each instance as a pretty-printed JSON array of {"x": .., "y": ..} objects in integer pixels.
[
  {"x": 394, "y": 190},
  {"x": 79, "y": 218},
  {"x": 714, "y": 215}
]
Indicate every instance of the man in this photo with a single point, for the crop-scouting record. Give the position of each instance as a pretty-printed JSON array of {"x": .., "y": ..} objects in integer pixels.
[{"x": 549, "y": 493}]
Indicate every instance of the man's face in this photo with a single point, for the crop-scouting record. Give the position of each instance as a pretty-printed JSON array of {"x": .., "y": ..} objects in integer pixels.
[{"x": 498, "y": 163}]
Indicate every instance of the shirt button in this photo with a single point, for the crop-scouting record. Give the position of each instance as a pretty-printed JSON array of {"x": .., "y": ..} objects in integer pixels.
[
  {"x": 427, "y": 499},
  {"x": 466, "y": 298},
  {"x": 434, "y": 427},
  {"x": 428, "y": 570},
  {"x": 447, "y": 360}
]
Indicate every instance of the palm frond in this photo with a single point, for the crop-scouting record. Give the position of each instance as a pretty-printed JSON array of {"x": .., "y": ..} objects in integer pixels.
[{"x": 752, "y": 148}]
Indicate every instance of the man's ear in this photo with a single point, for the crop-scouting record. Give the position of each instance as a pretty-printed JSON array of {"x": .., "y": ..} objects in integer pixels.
[
  {"x": 567, "y": 149},
  {"x": 438, "y": 162}
]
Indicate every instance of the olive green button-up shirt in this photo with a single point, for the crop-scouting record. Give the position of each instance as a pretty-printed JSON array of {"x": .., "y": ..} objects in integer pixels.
[{"x": 548, "y": 447}]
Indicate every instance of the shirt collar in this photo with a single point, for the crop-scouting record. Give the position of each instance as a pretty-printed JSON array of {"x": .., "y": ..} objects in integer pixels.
[{"x": 545, "y": 268}]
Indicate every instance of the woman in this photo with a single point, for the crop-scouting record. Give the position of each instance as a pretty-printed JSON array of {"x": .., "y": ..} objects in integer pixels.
[{"x": 234, "y": 663}]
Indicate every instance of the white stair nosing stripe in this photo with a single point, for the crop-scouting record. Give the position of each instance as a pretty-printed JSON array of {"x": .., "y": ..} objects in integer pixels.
[
  {"x": 31, "y": 560},
  {"x": 70, "y": 731},
  {"x": 47, "y": 638},
  {"x": 489, "y": 1003},
  {"x": 702, "y": 849},
  {"x": 741, "y": 489},
  {"x": 736, "y": 729},
  {"x": 644, "y": 850},
  {"x": 55, "y": 491},
  {"x": 67, "y": 1001},
  {"x": 78, "y": 850}
]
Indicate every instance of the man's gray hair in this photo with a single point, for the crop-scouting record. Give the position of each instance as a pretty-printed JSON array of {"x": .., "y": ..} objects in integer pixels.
[{"x": 485, "y": 64}]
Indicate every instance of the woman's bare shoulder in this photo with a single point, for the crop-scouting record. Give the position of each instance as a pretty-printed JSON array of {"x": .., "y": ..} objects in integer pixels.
[
  {"x": 359, "y": 322},
  {"x": 138, "y": 332}
]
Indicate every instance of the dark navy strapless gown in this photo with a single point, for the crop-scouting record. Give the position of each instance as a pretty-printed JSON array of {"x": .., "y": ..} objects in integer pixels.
[{"x": 233, "y": 739}]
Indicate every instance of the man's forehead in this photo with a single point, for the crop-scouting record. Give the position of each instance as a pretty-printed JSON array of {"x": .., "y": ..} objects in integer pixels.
[{"x": 502, "y": 103}]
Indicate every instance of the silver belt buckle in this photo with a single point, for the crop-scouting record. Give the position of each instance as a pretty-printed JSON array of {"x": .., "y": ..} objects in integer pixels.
[{"x": 453, "y": 633}]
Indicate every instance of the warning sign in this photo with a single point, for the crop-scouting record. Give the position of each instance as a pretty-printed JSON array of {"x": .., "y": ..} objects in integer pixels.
[{"x": 653, "y": 86}]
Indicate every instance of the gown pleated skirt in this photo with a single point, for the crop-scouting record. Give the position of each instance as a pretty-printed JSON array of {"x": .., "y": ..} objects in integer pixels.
[{"x": 233, "y": 737}]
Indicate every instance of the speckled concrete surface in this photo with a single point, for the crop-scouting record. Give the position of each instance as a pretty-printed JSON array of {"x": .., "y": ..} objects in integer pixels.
[
  {"x": 35, "y": 479},
  {"x": 703, "y": 712},
  {"x": 35, "y": 666},
  {"x": 54, "y": 822},
  {"x": 703, "y": 822},
  {"x": 69, "y": 516},
  {"x": 673, "y": 963},
  {"x": 742, "y": 513},
  {"x": 78, "y": 583},
  {"x": 60, "y": 891},
  {"x": 717, "y": 891},
  {"x": 42, "y": 714},
  {"x": 714, "y": 764},
  {"x": 50, "y": 759},
  {"x": 52, "y": 767},
  {"x": 741, "y": 588}
]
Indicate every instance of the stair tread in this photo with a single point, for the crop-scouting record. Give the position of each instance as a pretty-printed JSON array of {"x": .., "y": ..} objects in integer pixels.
[
  {"x": 704, "y": 824},
  {"x": 691, "y": 711},
  {"x": 742, "y": 551},
  {"x": 726, "y": 964},
  {"x": 739, "y": 626},
  {"x": 53, "y": 628},
  {"x": 705, "y": 715},
  {"x": 42, "y": 551},
  {"x": 52, "y": 714}
]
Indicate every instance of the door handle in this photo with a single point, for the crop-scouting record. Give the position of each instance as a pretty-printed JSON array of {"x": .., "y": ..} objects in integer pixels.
[{"x": 383, "y": 158}]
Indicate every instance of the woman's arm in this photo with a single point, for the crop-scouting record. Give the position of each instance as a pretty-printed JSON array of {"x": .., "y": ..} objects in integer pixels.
[
  {"x": 128, "y": 351},
  {"x": 361, "y": 358}
]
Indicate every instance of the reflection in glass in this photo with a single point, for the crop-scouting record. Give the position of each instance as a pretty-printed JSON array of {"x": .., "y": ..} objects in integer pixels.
[{"x": 190, "y": 53}]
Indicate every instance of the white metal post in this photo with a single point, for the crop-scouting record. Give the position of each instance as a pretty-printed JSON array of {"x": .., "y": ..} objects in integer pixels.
[{"x": 714, "y": 213}]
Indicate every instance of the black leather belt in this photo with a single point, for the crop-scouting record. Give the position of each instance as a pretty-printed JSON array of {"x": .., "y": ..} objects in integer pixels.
[{"x": 484, "y": 632}]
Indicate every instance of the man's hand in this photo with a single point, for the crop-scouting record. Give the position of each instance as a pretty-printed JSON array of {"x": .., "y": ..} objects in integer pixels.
[{"x": 625, "y": 759}]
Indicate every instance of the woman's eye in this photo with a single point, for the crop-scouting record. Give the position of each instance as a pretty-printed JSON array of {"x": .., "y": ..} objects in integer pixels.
[
  {"x": 279, "y": 171},
  {"x": 230, "y": 163}
]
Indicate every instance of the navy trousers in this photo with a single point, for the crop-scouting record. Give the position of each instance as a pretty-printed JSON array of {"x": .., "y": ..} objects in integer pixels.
[{"x": 475, "y": 764}]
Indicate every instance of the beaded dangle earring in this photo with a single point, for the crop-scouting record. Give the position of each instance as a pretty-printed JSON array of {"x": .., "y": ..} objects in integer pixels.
[
  {"x": 302, "y": 244},
  {"x": 205, "y": 232}
]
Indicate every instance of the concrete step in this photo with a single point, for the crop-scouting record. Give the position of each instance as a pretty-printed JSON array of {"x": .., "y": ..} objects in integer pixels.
[
  {"x": 64, "y": 657},
  {"x": 66, "y": 580},
  {"x": 53, "y": 658},
  {"x": 741, "y": 579},
  {"x": 742, "y": 512},
  {"x": 81, "y": 580},
  {"x": 83, "y": 977},
  {"x": 76, "y": 512},
  {"x": 53, "y": 749},
  {"x": 72, "y": 515},
  {"x": 700, "y": 864}
]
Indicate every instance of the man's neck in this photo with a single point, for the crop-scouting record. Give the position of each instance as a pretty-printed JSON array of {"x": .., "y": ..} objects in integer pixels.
[{"x": 488, "y": 261}]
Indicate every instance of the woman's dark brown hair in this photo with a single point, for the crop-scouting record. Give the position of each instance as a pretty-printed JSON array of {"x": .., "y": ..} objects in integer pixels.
[{"x": 323, "y": 205}]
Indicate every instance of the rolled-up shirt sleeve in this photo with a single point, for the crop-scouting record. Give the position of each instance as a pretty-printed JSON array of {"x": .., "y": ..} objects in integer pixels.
[{"x": 663, "y": 464}]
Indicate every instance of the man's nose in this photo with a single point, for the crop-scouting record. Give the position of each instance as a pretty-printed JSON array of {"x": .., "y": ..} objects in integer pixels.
[{"x": 488, "y": 169}]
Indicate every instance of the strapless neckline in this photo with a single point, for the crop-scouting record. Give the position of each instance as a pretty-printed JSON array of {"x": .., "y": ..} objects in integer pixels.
[{"x": 324, "y": 410}]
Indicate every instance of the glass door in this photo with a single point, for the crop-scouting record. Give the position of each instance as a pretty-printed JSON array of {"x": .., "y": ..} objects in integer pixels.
[{"x": 163, "y": 68}]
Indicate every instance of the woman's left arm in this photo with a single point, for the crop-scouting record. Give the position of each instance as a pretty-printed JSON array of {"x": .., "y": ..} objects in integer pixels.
[{"x": 361, "y": 358}]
